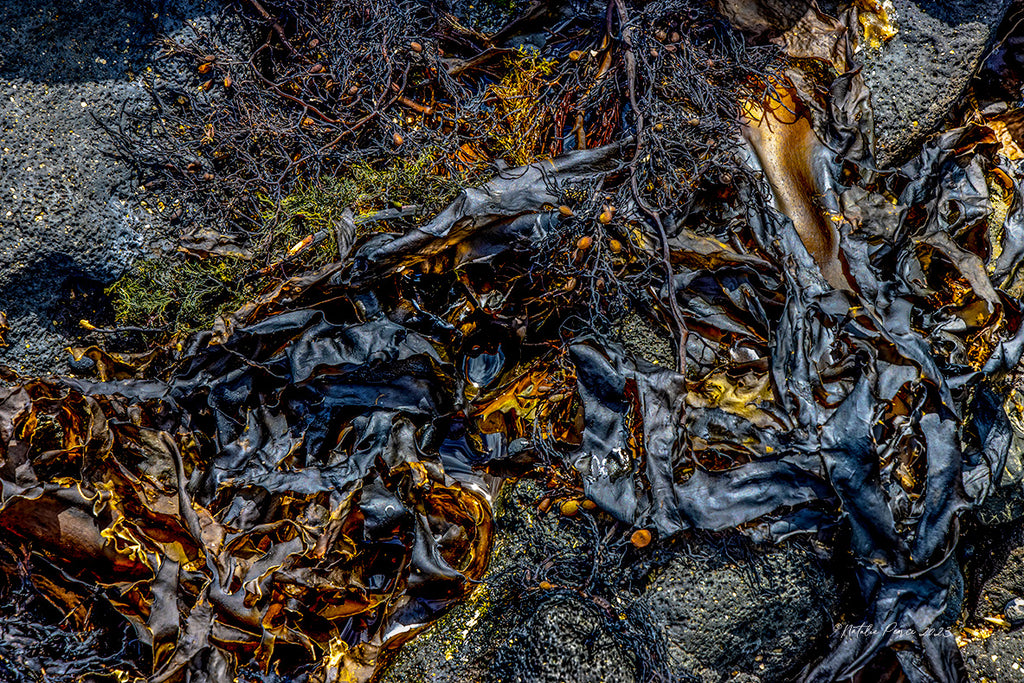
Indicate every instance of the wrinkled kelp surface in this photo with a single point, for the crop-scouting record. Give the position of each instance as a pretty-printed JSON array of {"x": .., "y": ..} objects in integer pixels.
[{"x": 308, "y": 484}]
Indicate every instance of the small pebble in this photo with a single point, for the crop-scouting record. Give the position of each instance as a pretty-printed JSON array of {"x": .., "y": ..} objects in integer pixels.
[
  {"x": 1014, "y": 611},
  {"x": 82, "y": 365},
  {"x": 518, "y": 446}
]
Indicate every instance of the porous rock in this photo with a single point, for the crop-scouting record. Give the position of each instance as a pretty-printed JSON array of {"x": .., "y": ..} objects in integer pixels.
[
  {"x": 702, "y": 616},
  {"x": 996, "y": 659},
  {"x": 996, "y": 581},
  {"x": 918, "y": 76},
  {"x": 764, "y": 615},
  {"x": 70, "y": 219},
  {"x": 513, "y": 627},
  {"x": 997, "y": 565}
]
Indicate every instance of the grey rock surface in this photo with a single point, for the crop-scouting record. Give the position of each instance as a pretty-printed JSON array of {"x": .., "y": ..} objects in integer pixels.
[
  {"x": 513, "y": 627},
  {"x": 918, "y": 75},
  {"x": 70, "y": 222},
  {"x": 1001, "y": 579},
  {"x": 997, "y": 659},
  {"x": 700, "y": 617},
  {"x": 996, "y": 584},
  {"x": 764, "y": 617}
]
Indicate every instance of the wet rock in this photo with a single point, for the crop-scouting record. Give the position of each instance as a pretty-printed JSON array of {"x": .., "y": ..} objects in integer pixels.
[
  {"x": 998, "y": 571},
  {"x": 70, "y": 212},
  {"x": 540, "y": 615},
  {"x": 567, "y": 637},
  {"x": 646, "y": 341},
  {"x": 526, "y": 621},
  {"x": 996, "y": 591},
  {"x": 553, "y": 637},
  {"x": 996, "y": 659},
  {"x": 766, "y": 616},
  {"x": 921, "y": 73}
]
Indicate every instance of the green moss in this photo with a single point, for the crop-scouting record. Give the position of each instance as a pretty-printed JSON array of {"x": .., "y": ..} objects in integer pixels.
[
  {"x": 403, "y": 181},
  {"x": 313, "y": 206},
  {"x": 184, "y": 293},
  {"x": 181, "y": 293},
  {"x": 367, "y": 188}
]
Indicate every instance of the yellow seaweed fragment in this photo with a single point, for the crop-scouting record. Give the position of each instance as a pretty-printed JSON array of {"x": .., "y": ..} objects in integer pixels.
[{"x": 877, "y": 21}]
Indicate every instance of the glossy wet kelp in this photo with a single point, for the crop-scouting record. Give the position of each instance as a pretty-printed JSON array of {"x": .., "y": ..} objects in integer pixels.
[{"x": 305, "y": 486}]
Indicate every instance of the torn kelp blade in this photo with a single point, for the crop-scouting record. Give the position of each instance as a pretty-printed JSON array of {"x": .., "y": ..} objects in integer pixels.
[
  {"x": 632, "y": 449},
  {"x": 295, "y": 526}
]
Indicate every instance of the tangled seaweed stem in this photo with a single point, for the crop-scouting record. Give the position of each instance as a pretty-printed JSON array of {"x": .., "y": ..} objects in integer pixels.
[{"x": 681, "y": 332}]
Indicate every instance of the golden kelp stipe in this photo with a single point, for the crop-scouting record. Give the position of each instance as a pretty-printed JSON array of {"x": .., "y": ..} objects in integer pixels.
[{"x": 779, "y": 129}]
